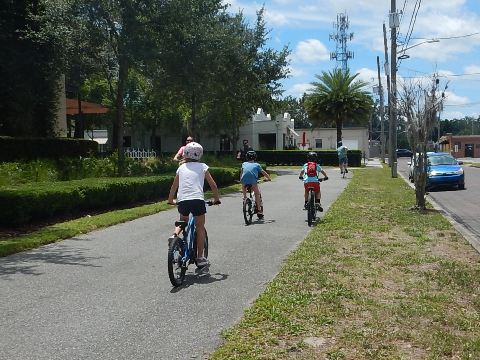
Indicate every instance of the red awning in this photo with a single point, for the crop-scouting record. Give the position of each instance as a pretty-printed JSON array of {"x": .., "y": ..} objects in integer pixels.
[{"x": 86, "y": 107}]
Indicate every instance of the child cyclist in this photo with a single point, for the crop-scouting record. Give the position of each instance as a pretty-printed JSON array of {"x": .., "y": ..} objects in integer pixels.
[
  {"x": 249, "y": 174},
  {"x": 309, "y": 175},
  {"x": 190, "y": 198}
]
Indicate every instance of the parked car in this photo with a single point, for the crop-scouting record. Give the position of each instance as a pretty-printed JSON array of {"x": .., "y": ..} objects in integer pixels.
[
  {"x": 404, "y": 153},
  {"x": 442, "y": 170}
]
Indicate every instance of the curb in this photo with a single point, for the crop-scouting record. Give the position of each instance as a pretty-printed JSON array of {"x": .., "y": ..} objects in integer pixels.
[{"x": 462, "y": 229}]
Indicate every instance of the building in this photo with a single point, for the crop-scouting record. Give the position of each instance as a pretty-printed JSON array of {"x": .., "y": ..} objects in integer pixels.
[
  {"x": 265, "y": 133},
  {"x": 355, "y": 138},
  {"x": 461, "y": 146}
]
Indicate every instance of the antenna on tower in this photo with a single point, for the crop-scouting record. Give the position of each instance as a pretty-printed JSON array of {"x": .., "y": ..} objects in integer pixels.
[{"x": 341, "y": 55}]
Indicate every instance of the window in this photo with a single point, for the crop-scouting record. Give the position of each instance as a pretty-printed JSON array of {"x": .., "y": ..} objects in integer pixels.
[
  {"x": 318, "y": 143},
  {"x": 457, "y": 146},
  {"x": 224, "y": 143}
]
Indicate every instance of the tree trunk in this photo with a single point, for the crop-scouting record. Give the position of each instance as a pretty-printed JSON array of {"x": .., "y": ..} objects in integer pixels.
[
  {"x": 122, "y": 78},
  {"x": 339, "y": 124},
  {"x": 193, "y": 126},
  {"x": 79, "y": 121},
  {"x": 421, "y": 179}
]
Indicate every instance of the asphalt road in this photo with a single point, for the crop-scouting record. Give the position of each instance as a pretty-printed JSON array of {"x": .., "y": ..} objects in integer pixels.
[
  {"x": 106, "y": 294},
  {"x": 463, "y": 206}
]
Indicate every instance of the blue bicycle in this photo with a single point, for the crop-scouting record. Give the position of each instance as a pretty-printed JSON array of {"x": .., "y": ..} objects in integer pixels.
[{"x": 182, "y": 251}]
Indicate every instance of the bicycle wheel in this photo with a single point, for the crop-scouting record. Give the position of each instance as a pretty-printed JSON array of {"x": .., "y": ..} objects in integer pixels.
[
  {"x": 247, "y": 211},
  {"x": 311, "y": 208},
  {"x": 176, "y": 269}
]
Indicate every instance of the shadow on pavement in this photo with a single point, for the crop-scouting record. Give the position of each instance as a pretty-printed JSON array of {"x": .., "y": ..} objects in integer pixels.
[
  {"x": 29, "y": 263},
  {"x": 192, "y": 279}
]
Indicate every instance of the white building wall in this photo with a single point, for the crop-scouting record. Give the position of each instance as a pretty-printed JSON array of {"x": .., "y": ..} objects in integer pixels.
[{"x": 354, "y": 138}]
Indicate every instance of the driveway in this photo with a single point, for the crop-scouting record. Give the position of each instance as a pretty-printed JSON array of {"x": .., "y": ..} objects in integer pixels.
[{"x": 106, "y": 294}]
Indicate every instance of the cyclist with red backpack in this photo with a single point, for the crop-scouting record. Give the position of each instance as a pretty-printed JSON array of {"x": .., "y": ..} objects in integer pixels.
[{"x": 309, "y": 175}]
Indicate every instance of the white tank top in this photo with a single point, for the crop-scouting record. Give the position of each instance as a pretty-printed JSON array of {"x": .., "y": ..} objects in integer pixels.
[{"x": 191, "y": 178}]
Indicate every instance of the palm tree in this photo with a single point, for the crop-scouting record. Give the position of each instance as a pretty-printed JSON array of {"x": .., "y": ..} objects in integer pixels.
[{"x": 336, "y": 98}]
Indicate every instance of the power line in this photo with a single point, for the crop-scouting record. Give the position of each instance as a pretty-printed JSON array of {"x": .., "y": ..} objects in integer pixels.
[
  {"x": 466, "y": 104},
  {"x": 411, "y": 26},
  {"x": 448, "y": 38},
  {"x": 440, "y": 75}
]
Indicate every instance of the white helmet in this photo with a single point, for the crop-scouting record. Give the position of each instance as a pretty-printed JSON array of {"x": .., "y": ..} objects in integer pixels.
[{"x": 193, "y": 151}]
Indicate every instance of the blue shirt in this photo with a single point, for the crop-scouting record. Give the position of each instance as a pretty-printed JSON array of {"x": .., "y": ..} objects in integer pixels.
[
  {"x": 307, "y": 178},
  {"x": 250, "y": 172},
  {"x": 342, "y": 152}
]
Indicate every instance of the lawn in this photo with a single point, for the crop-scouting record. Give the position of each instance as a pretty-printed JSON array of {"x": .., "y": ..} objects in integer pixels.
[{"x": 373, "y": 280}]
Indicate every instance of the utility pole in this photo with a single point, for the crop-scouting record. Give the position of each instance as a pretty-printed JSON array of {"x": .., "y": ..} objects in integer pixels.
[
  {"x": 387, "y": 74},
  {"x": 394, "y": 23},
  {"x": 382, "y": 115}
]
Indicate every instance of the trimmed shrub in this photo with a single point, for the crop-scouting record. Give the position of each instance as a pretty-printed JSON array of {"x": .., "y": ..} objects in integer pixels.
[
  {"x": 12, "y": 149},
  {"x": 39, "y": 201},
  {"x": 299, "y": 157}
]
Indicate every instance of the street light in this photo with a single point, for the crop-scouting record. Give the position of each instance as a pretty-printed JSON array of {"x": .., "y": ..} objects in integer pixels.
[{"x": 405, "y": 56}]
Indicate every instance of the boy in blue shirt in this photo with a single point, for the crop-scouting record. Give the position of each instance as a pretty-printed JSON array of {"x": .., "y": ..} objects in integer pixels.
[
  {"x": 249, "y": 174},
  {"x": 309, "y": 175}
]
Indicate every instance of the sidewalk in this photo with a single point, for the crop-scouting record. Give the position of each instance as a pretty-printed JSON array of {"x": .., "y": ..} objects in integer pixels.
[{"x": 374, "y": 162}]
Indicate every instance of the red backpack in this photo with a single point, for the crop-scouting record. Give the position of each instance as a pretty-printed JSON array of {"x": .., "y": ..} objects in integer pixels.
[{"x": 312, "y": 169}]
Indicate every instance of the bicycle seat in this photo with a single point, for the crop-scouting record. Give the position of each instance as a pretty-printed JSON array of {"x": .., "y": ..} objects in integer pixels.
[{"x": 182, "y": 224}]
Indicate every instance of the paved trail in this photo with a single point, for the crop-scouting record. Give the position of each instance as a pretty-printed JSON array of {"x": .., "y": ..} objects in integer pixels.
[{"x": 106, "y": 294}]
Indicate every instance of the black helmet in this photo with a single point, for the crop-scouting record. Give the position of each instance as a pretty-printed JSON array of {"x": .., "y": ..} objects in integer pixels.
[
  {"x": 312, "y": 156},
  {"x": 251, "y": 155}
]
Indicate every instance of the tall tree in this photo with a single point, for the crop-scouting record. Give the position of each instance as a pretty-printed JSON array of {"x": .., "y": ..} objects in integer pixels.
[
  {"x": 122, "y": 32},
  {"x": 337, "y": 98},
  {"x": 420, "y": 107},
  {"x": 28, "y": 71},
  {"x": 295, "y": 108},
  {"x": 248, "y": 74}
]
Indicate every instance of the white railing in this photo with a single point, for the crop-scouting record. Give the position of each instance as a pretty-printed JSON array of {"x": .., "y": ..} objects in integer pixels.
[{"x": 139, "y": 154}]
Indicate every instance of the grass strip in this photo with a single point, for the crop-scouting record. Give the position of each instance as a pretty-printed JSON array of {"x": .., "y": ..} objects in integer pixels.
[
  {"x": 373, "y": 280},
  {"x": 65, "y": 230}
]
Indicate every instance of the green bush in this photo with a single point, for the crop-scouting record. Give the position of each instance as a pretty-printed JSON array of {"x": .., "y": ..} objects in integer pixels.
[
  {"x": 39, "y": 201},
  {"x": 299, "y": 157},
  {"x": 14, "y": 149}
]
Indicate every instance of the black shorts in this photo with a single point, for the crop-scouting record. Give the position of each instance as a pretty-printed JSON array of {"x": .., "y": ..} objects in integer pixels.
[{"x": 194, "y": 207}]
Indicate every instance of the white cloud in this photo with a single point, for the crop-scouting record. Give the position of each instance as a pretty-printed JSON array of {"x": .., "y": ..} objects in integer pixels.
[
  {"x": 450, "y": 115},
  {"x": 311, "y": 51},
  {"x": 368, "y": 75},
  {"x": 472, "y": 69},
  {"x": 298, "y": 90},
  {"x": 453, "y": 99},
  {"x": 296, "y": 72}
]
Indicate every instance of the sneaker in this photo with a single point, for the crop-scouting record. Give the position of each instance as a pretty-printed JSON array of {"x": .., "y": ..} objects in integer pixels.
[
  {"x": 305, "y": 207},
  {"x": 171, "y": 239},
  {"x": 319, "y": 207},
  {"x": 260, "y": 216},
  {"x": 203, "y": 266},
  {"x": 346, "y": 171}
]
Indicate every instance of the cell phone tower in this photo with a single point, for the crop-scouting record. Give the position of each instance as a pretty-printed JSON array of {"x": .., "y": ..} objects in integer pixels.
[{"x": 341, "y": 37}]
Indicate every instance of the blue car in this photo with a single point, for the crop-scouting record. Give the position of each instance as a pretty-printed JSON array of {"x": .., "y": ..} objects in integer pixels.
[{"x": 444, "y": 170}]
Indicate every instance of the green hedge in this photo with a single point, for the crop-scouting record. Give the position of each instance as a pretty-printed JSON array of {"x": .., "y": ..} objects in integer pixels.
[
  {"x": 12, "y": 149},
  {"x": 299, "y": 157},
  {"x": 39, "y": 201}
]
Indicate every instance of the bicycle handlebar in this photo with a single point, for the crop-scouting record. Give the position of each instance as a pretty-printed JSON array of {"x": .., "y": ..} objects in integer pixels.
[
  {"x": 207, "y": 202},
  {"x": 319, "y": 179}
]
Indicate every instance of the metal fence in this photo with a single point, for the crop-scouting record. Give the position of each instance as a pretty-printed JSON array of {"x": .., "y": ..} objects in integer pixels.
[{"x": 140, "y": 154}]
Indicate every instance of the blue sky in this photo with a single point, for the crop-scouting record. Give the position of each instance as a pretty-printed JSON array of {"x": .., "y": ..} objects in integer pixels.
[{"x": 305, "y": 25}]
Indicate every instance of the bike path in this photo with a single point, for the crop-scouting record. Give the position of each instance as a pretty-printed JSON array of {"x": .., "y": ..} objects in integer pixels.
[{"x": 106, "y": 294}]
